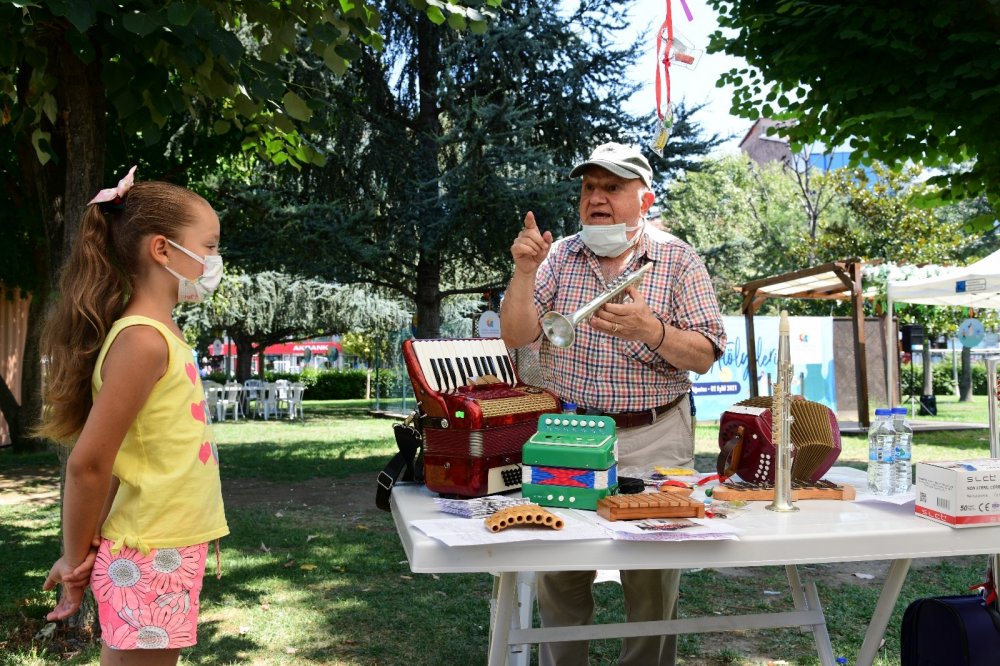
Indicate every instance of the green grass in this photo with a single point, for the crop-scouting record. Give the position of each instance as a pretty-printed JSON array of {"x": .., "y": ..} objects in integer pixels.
[{"x": 315, "y": 584}]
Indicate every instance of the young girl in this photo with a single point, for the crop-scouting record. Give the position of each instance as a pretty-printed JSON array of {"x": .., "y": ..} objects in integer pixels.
[{"x": 142, "y": 496}]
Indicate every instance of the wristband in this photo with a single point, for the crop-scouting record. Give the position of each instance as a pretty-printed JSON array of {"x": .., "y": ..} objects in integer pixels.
[{"x": 663, "y": 335}]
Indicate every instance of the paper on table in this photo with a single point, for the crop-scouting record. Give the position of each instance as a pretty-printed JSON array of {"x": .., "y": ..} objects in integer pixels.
[
  {"x": 703, "y": 529},
  {"x": 899, "y": 499},
  {"x": 859, "y": 479},
  {"x": 473, "y": 532}
]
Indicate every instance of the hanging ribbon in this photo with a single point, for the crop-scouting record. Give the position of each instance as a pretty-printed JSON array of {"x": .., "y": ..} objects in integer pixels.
[
  {"x": 663, "y": 61},
  {"x": 687, "y": 11},
  {"x": 664, "y": 48}
]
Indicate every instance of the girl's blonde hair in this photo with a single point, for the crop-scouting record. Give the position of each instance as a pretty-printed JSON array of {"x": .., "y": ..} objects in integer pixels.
[{"x": 95, "y": 284}]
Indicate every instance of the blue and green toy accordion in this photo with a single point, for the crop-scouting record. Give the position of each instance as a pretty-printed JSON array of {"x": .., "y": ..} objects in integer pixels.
[{"x": 570, "y": 461}]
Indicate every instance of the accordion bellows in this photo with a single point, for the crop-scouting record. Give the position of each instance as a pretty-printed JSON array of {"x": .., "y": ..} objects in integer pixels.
[{"x": 815, "y": 438}]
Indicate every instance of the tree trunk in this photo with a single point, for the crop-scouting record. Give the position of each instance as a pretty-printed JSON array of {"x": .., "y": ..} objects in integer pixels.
[
  {"x": 244, "y": 356},
  {"x": 928, "y": 375},
  {"x": 428, "y": 131},
  {"x": 428, "y": 300},
  {"x": 965, "y": 377}
]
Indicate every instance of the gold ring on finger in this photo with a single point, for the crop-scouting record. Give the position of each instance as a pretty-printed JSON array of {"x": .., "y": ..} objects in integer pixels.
[{"x": 615, "y": 328}]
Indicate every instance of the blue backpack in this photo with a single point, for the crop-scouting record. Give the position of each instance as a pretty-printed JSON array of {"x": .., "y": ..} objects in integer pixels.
[{"x": 951, "y": 631}]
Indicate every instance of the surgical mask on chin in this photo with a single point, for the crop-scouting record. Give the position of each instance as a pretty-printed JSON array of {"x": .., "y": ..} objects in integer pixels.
[
  {"x": 607, "y": 240},
  {"x": 195, "y": 291}
]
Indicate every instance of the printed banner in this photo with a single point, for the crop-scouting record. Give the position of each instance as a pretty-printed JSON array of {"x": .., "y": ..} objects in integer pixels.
[{"x": 728, "y": 380}]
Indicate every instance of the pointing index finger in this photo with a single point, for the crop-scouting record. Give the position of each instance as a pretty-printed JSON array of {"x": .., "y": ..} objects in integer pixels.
[{"x": 529, "y": 221}]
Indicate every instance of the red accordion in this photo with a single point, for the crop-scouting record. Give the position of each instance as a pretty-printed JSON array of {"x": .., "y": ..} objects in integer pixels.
[
  {"x": 475, "y": 414},
  {"x": 745, "y": 440}
]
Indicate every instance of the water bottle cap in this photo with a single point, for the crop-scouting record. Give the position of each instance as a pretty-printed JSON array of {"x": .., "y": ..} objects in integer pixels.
[
  {"x": 568, "y": 406},
  {"x": 899, "y": 410},
  {"x": 883, "y": 411}
]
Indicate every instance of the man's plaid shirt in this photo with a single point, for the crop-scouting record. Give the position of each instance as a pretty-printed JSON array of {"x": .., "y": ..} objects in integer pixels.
[{"x": 608, "y": 373}]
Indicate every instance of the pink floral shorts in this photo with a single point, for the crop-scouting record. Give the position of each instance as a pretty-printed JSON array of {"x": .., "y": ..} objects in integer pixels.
[{"x": 147, "y": 602}]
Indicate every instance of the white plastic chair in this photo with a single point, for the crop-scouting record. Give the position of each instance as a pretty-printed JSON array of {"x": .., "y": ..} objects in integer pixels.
[
  {"x": 294, "y": 400},
  {"x": 267, "y": 403},
  {"x": 251, "y": 392},
  {"x": 213, "y": 399},
  {"x": 231, "y": 397}
]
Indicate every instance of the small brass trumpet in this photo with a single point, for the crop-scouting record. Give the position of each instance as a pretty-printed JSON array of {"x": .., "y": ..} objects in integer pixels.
[{"x": 561, "y": 330}]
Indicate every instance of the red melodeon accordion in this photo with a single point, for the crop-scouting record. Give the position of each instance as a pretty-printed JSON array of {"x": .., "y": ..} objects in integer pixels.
[
  {"x": 745, "y": 440},
  {"x": 475, "y": 414}
]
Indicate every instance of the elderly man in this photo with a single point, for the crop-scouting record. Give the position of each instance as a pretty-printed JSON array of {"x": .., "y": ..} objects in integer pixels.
[{"x": 630, "y": 362}]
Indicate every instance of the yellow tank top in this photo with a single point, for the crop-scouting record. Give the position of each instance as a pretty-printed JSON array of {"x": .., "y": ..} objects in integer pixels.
[{"x": 170, "y": 494}]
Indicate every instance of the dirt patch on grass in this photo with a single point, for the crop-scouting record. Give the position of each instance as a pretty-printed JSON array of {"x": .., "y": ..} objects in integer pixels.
[
  {"x": 352, "y": 495},
  {"x": 22, "y": 485}
]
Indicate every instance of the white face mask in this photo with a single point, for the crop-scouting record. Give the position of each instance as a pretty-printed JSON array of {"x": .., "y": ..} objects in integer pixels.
[
  {"x": 607, "y": 240},
  {"x": 195, "y": 291}
]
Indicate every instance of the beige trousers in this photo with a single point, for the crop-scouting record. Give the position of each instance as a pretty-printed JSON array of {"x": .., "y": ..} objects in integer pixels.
[{"x": 565, "y": 598}]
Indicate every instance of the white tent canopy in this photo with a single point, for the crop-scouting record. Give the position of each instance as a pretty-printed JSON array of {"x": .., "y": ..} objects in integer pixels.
[{"x": 974, "y": 286}]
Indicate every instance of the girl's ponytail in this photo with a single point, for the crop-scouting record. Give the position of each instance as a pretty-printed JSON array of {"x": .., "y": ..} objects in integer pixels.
[{"x": 92, "y": 294}]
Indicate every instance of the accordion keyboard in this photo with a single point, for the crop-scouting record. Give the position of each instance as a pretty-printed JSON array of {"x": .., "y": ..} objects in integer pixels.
[{"x": 448, "y": 364}]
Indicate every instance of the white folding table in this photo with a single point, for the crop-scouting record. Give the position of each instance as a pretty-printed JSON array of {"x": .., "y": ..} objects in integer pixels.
[{"x": 821, "y": 531}]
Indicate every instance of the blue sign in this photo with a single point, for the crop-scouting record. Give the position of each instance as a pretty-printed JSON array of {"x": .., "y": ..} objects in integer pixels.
[{"x": 971, "y": 332}]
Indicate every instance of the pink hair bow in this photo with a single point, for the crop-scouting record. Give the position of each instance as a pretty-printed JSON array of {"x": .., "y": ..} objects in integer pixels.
[{"x": 118, "y": 192}]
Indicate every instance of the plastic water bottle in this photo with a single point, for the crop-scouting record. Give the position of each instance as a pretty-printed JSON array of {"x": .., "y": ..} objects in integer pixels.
[
  {"x": 904, "y": 450},
  {"x": 873, "y": 448},
  {"x": 881, "y": 454}
]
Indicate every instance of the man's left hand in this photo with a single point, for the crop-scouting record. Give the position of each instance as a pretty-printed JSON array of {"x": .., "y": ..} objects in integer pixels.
[{"x": 629, "y": 321}]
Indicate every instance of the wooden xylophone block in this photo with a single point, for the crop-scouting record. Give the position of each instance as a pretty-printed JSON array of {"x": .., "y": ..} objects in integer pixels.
[
  {"x": 649, "y": 505},
  {"x": 752, "y": 492}
]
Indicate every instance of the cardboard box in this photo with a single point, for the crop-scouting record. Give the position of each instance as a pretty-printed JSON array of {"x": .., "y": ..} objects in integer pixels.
[{"x": 962, "y": 493}]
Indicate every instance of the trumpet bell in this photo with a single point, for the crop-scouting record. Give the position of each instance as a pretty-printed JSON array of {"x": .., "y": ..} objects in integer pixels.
[{"x": 559, "y": 329}]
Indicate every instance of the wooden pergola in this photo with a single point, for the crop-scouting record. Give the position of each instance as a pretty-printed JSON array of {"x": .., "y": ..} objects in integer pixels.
[{"x": 839, "y": 280}]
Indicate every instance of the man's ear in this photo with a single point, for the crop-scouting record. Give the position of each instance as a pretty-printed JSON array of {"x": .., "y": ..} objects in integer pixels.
[{"x": 647, "y": 201}]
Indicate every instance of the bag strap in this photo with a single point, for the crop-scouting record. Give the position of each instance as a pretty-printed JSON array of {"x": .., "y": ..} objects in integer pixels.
[
  {"x": 409, "y": 442},
  {"x": 729, "y": 455}
]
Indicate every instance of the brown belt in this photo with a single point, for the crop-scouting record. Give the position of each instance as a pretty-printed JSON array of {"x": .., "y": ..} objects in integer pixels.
[{"x": 636, "y": 419}]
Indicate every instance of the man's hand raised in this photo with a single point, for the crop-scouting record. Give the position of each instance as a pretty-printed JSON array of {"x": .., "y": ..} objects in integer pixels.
[{"x": 530, "y": 247}]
